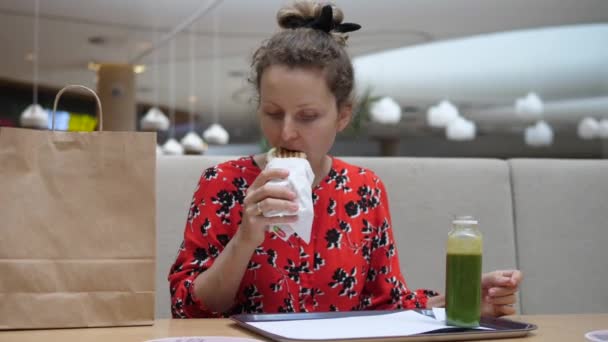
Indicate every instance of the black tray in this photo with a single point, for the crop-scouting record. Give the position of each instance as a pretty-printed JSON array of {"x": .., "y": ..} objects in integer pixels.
[{"x": 504, "y": 328}]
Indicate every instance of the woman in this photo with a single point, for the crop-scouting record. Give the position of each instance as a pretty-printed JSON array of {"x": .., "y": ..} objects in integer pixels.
[{"x": 230, "y": 263}]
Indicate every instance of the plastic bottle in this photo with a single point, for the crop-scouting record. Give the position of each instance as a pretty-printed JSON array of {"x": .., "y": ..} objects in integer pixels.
[{"x": 463, "y": 273}]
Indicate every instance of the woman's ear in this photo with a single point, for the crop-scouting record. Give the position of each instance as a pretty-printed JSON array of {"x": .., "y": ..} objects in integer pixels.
[{"x": 345, "y": 113}]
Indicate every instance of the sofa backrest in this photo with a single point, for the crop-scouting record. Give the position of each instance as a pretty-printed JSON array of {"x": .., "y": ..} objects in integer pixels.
[
  {"x": 561, "y": 216},
  {"x": 424, "y": 195},
  {"x": 176, "y": 179}
]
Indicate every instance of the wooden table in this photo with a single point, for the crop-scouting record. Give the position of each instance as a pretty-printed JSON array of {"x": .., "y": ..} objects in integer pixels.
[{"x": 551, "y": 328}]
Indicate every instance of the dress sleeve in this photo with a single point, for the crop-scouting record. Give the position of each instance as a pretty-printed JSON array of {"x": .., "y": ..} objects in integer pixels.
[
  {"x": 212, "y": 221},
  {"x": 385, "y": 284}
]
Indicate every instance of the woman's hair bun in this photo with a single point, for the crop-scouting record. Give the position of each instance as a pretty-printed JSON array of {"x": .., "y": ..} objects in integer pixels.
[{"x": 303, "y": 11}]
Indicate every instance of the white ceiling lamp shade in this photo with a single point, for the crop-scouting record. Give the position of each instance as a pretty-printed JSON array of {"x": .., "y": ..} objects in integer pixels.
[
  {"x": 588, "y": 128},
  {"x": 461, "y": 129},
  {"x": 172, "y": 148},
  {"x": 192, "y": 142},
  {"x": 154, "y": 120},
  {"x": 539, "y": 135},
  {"x": 216, "y": 134},
  {"x": 34, "y": 116},
  {"x": 385, "y": 111},
  {"x": 603, "y": 129},
  {"x": 529, "y": 107},
  {"x": 441, "y": 115},
  {"x": 446, "y": 115}
]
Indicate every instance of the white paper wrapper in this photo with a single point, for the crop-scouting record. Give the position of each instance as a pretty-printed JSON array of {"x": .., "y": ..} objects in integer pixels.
[{"x": 300, "y": 181}]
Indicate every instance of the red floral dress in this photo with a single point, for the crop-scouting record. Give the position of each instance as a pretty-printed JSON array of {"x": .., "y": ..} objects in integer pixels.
[{"x": 351, "y": 262}]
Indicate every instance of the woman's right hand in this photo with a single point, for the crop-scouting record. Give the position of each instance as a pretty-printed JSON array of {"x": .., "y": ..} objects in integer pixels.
[{"x": 263, "y": 197}]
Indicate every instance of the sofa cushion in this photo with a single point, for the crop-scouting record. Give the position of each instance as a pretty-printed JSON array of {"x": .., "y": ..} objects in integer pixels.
[{"x": 561, "y": 222}]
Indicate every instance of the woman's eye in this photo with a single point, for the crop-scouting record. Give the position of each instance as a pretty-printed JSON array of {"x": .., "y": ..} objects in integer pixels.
[
  {"x": 307, "y": 118},
  {"x": 274, "y": 116}
]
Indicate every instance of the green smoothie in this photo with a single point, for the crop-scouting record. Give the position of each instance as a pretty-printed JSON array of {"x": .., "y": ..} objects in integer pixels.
[
  {"x": 463, "y": 289},
  {"x": 463, "y": 273}
]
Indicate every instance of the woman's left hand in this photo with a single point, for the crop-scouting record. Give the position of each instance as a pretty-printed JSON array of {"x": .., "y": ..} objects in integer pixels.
[{"x": 498, "y": 291}]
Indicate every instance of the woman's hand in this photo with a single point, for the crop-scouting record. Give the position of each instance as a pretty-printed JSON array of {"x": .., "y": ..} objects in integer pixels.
[
  {"x": 498, "y": 291},
  {"x": 262, "y": 197}
]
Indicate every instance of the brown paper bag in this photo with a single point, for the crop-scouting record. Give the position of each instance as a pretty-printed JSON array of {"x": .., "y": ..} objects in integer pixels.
[{"x": 77, "y": 228}]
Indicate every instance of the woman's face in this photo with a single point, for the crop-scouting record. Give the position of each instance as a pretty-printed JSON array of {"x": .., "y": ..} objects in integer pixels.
[{"x": 298, "y": 111}]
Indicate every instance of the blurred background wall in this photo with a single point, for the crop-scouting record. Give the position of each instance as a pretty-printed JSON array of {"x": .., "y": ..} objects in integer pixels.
[{"x": 448, "y": 78}]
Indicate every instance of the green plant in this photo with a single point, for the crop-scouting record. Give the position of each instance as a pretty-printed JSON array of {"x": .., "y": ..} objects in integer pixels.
[{"x": 361, "y": 112}]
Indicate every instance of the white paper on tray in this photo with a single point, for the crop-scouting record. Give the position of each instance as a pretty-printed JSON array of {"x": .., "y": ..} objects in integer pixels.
[
  {"x": 394, "y": 324},
  {"x": 300, "y": 181},
  {"x": 401, "y": 323}
]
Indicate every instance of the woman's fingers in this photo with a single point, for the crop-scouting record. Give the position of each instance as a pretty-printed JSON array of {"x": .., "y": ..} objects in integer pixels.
[
  {"x": 501, "y": 291},
  {"x": 504, "y": 300},
  {"x": 269, "y": 191},
  {"x": 435, "y": 302},
  {"x": 504, "y": 310},
  {"x": 262, "y": 221},
  {"x": 271, "y": 204},
  {"x": 267, "y": 175},
  {"x": 506, "y": 278},
  {"x": 271, "y": 221},
  {"x": 274, "y": 204}
]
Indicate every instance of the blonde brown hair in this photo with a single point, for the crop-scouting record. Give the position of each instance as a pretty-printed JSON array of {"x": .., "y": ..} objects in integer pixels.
[{"x": 305, "y": 47}]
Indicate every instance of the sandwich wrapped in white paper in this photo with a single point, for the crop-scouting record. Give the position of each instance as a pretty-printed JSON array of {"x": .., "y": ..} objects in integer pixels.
[{"x": 299, "y": 181}]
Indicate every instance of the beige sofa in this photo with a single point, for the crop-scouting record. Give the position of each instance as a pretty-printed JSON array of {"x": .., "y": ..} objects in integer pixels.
[{"x": 548, "y": 218}]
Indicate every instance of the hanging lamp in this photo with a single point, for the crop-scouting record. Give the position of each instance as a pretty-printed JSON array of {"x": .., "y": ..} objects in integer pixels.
[
  {"x": 529, "y": 107},
  {"x": 588, "y": 128},
  {"x": 34, "y": 116},
  {"x": 385, "y": 111},
  {"x": 171, "y": 146},
  {"x": 216, "y": 134},
  {"x": 192, "y": 142},
  {"x": 539, "y": 135},
  {"x": 155, "y": 119},
  {"x": 442, "y": 114}
]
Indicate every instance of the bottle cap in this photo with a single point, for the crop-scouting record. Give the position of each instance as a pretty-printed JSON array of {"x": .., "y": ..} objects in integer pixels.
[{"x": 464, "y": 220}]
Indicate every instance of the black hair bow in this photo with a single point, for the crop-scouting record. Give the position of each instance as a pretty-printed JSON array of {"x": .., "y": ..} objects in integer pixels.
[{"x": 325, "y": 22}]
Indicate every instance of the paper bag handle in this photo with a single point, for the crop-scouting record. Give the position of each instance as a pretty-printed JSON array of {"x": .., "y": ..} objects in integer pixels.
[{"x": 72, "y": 86}]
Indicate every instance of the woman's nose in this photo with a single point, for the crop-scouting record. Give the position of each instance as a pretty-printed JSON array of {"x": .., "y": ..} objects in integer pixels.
[{"x": 289, "y": 130}]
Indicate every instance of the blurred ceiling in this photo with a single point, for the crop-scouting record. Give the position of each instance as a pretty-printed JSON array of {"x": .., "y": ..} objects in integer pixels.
[{"x": 74, "y": 33}]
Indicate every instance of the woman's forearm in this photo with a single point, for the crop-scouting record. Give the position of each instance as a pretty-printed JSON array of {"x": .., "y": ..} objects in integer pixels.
[{"x": 217, "y": 286}]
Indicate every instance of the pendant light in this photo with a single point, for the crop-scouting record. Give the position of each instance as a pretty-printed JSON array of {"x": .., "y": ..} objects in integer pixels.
[
  {"x": 539, "y": 135},
  {"x": 192, "y": 142},
  {"x": 34, "y": 116},
  {"x": 385, "y": 111},
  {"x": 529, "y": 107},
  {"x": 216, "y": 134},
  {"x": 171, "y": 146},
  {"x": 442, "y": 114},
  {"x": 155, "y": 119},
  {"x": 588, "y": 128}
]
